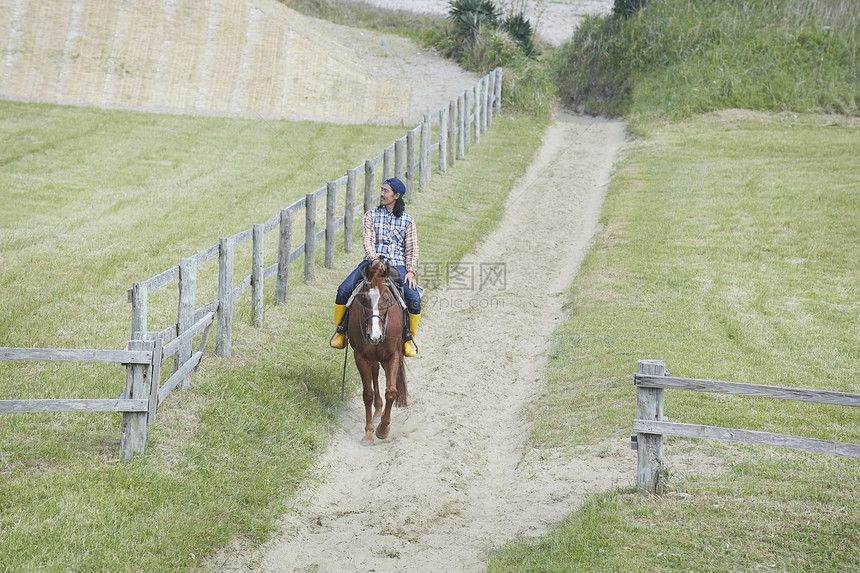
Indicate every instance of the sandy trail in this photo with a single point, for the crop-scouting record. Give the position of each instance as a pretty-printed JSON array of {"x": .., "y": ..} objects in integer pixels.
[{"x": 454, "y": 479}]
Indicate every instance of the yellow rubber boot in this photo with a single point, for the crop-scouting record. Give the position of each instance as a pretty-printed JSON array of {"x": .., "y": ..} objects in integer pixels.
[
  {"x": 338, "y": 339},
  {"x": 409, "y": 347}
]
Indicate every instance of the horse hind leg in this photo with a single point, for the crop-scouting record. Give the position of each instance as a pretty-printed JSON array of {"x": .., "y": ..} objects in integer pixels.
[{"x": 393, "y": 374}]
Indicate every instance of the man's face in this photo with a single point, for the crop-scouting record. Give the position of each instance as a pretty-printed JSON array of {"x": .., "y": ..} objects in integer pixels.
[{"x": 387, "y": 197}]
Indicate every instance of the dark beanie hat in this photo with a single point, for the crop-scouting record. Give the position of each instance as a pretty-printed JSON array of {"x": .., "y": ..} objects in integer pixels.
[{"x": 396, "y": 185}]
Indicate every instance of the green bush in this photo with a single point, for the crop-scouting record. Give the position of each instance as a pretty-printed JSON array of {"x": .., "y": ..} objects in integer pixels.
[
  {"x": 479, "y": 39},
  {"x": 626, "y": 8},
  {"x": 471, "y": 16},
  {"x": 520, "y": 29},
  {"x": 674, "y": 58}
]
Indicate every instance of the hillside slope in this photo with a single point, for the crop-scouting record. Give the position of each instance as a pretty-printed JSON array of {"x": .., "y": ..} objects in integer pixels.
[{"x": 245, "y": 58}]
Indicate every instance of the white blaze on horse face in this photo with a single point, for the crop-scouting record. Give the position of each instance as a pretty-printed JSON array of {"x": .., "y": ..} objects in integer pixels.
[{"x": 375, "y": 322}]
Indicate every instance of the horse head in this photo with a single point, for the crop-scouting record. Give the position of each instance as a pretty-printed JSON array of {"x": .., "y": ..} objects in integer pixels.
[{"x": 376, "y": 301}]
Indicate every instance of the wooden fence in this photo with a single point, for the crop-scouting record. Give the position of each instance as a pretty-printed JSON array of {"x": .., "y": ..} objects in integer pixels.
[
  {"x": 652, "y": 378},
  {"x": 138, "y": 404},
  {"x": 456, "y": 126}
]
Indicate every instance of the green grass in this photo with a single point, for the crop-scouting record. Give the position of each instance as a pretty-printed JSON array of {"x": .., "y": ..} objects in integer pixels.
[
  {"x": 677, "y": 58},
  {"x": 94, "y": 200},
  {"x": 729, "y": 249}
]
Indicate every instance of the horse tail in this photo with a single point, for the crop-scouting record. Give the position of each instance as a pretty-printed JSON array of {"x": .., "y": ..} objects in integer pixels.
[{"x": 402, "y": 394}]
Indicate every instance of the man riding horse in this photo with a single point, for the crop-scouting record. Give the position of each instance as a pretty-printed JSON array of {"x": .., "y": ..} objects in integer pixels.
[{"x": 389, "y": 233}]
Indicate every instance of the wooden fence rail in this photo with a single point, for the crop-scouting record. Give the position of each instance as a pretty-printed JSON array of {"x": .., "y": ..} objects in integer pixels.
[
  {"x": 139, "y": 402},
  {"x": 650, "y": 425},
  {"x": 457, "y": 124}
]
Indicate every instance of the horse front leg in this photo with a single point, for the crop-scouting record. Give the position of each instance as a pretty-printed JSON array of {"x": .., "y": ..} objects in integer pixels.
[
  {"x": 368, "y": 382},
  {"x": 391, "y": 372},
  {"x": 377, "y": 397}
]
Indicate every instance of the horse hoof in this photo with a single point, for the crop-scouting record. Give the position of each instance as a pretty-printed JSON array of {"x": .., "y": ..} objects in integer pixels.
[
  {"x": 367, "y": 443},
  {"x": 377, "y": 420},
  {"x": 381, "y": 436}
]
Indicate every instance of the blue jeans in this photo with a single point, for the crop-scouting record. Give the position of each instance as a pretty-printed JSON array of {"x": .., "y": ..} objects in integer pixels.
[{"x": 410, "y": 295}]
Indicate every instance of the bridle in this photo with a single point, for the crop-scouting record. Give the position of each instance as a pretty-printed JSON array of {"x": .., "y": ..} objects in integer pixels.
[{"x": 365, "y": 318}]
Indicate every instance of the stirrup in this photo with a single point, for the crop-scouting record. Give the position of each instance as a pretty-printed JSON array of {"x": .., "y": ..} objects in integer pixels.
[{"x": 337, "y": 340}]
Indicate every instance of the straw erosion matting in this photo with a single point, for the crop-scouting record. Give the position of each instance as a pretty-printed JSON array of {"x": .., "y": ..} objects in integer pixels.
[{"x": 244, "y": 58}]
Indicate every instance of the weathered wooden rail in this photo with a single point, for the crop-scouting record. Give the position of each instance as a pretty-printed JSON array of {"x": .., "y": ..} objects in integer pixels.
[
  {"x": 142, "y": 359},
  {"x": 456, "y": 126},
  {"x": 650, "y": 425}
]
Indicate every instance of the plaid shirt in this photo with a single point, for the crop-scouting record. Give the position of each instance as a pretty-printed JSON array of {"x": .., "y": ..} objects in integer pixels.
[{"x": 395, "y": 238}]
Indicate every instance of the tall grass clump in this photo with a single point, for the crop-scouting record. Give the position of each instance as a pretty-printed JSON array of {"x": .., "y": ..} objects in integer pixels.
[{"x": 674, "y": 58}]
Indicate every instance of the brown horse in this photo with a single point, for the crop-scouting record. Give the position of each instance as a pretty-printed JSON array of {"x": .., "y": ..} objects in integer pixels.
[{"x": 376, "y": 337}]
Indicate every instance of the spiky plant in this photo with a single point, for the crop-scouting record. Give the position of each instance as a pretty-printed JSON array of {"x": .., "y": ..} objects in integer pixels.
[
  {"x": 469, "y": 16},
  {"x": 520, "y": 29}
]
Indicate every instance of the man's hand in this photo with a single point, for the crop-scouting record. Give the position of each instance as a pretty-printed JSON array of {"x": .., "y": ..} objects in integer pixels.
[{"x": 410, "y": 280}]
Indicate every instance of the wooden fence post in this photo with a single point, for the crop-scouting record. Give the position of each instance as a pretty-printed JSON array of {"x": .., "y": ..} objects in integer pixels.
[
  {"x": 224, "y": 327},
  {"x": 154, "y": 381},
  {"x": 369, "y": 185},
  {"x": 310, "y": 236},
  {"x": 139, "y": 296},
  {"x": 491, "y": 92},
  {"x": 349, "y": 210},
  {"x": 498, "y": 97},
  {"x": 443, "y": 140},
  {"x": 410, "y": 164},
  {"x": 398, "y": 158},
  {"x": 134, "y": 424},
  {"x": 386, "y": 162},
  {"x": 468, "y": 108},
  {"x": 649, "y": 406},
  {"x": 330, "y": 220},
  {"x": 187, "y": 301},
  {"x": 257, "y": 276},
  {"x": 452, "y": 132},
  {"x": 461, "y": 126},
  {"x": 476, "y": 123},
  {"x": 485, "y": 111},
  {"x": 424, "y": 154},
  {"x": 285, "y": 245}
]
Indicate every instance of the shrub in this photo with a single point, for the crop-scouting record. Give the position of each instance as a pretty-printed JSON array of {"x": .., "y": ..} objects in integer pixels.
[
  {"x": 479, "y": 39},
  {"x": 626, "y": 8},
  {"x": 675, "y": 58},
  {"x": 520, "y": 29},
  {"x": 470, "y": 16}
]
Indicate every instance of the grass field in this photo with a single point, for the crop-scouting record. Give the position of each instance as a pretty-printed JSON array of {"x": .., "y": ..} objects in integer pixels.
[
  {"x": 94, "y": 200},
  {"x": 730, "y": 249}
]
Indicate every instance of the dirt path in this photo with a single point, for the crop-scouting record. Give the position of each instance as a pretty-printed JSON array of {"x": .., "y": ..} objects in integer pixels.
[{"x": 454, "y": 479}]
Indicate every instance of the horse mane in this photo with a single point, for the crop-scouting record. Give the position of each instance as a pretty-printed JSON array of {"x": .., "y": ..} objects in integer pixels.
[{"x": 377, "y": 275}]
